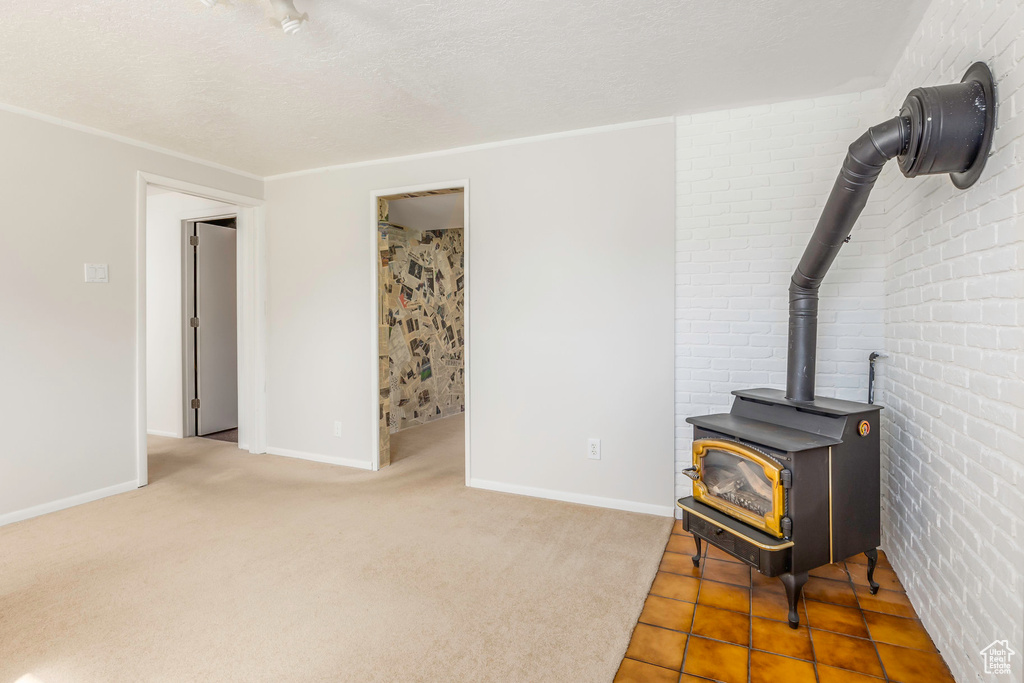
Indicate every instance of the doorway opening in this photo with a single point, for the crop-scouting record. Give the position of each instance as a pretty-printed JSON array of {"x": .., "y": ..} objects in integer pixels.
[
  {"x": 161, "y": 341},
  {"x": 420, "y": 317},
  {"x": 192, "y": 321}
]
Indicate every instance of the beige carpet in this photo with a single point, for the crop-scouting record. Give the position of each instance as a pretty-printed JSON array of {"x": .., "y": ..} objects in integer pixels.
[{"x": 235, "y": 567}]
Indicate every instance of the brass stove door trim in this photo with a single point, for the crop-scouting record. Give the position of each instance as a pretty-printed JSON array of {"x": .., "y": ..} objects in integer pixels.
[{"x": 770, "y": 523}]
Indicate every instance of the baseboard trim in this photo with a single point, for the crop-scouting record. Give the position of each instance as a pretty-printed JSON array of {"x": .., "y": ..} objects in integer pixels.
[
  {"x": 64, "y": 503},
  {"x": 158, "y": 432},
  {"x": 316, "y": 457},
  {"x": 581, "y": 498}
]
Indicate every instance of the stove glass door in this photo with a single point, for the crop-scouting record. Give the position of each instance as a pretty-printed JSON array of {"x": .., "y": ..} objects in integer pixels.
[{"x": 740, "y": 481}]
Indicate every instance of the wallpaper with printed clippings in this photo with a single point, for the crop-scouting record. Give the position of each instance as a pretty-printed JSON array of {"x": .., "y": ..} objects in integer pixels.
[{"x": 421, "y": 326}]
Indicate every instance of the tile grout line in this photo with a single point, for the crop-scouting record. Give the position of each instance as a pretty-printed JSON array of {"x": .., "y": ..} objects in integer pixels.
[
  {"x": 749, "y": 613},
  {"x": 729, "y": 642},
  {"x": 810, "y": 638},
  {"x": 867, "y": 627},
  {"x": 750, "y": 619},
  {"x": 815, "y": 628},
  {"x": 693, "y": 617},
  {"x": 693, "y": 614}
]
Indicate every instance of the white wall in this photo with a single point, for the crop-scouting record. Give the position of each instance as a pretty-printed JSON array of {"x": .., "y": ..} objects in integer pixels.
[
  {"x": 570, "y": 322},
  {"x": 68, "y": 377},
  {"x": 953, "y": 428},
  {"x": 164, "y": 213},
  {"x": 751, "y": 184}
]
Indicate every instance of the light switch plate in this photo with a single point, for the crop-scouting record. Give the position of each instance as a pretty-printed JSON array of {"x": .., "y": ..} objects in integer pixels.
[{"x": 96, "y": 272}]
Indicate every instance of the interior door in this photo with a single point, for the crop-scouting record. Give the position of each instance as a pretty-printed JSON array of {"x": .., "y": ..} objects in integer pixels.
[{"x": 216, "y": 343}]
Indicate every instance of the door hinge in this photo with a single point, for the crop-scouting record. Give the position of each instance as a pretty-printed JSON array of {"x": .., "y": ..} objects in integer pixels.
[
  {"x": 193, "y": 322},
  {"x": 193, "y": 240},
  {"x": 195, "y": 403}
]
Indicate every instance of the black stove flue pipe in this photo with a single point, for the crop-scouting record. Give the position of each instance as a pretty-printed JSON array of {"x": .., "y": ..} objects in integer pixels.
[
  {"x": 942, "y": 129},
  {"x": 863, "y": 163}
]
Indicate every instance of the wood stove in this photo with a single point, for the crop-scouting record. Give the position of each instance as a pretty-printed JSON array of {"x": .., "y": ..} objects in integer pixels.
[
  {"x": 789, "y": 481},
  {"x": 786, "y": 486}
]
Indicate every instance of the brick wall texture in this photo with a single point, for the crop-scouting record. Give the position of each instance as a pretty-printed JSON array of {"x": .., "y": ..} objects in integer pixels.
[
  {"x": 932, "y": 277},
  {"x": 953, "y": 428}
]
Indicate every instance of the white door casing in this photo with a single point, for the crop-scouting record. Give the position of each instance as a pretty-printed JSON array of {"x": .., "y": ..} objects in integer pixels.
[
  {"x": 252, "y": 314},
  {"x": 375, "y": 196}
]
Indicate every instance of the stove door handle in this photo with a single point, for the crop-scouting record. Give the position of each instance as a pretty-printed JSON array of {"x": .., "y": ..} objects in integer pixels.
[{"x": 692, "y": 472}]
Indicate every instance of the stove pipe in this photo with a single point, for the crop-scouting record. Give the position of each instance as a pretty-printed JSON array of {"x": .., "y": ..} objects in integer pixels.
[{"x": 942, "y": 129}]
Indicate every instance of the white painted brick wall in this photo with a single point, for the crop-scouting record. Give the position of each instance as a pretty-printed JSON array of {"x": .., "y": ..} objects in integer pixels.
[
  {"x": 751, "y": 185},
  {"x": 933, "y": 276},
  {"x": 953, "y": 387}
]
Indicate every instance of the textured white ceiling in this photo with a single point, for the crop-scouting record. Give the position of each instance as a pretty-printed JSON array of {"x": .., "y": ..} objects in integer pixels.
[
  {"x": 368, "y": 79},
  {"x": 435, "y": 212}
]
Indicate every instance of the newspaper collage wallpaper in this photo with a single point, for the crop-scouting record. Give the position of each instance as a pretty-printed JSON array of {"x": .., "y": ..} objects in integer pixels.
[{"x": 421, "y": 333}]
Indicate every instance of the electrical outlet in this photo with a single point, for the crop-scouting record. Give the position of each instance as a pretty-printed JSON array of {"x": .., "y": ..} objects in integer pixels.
[
  {"x": 594, "y": 449},
  {"x": 337, "y": 429}
]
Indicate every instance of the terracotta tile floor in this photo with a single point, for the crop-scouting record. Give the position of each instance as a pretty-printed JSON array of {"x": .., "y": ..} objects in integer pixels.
[{"x": 726, "y": 622}]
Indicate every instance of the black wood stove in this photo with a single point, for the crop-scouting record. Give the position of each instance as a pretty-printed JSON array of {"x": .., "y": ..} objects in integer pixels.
[
  {"x": 786, "y": 486},
  {"x": 789, "y": 481}
]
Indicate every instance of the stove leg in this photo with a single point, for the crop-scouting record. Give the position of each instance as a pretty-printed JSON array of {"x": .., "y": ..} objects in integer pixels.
[
  {"x": 872, "y": 561},
  {"x": 794, "y": 583},
  {"x": 696, "y": 558}
]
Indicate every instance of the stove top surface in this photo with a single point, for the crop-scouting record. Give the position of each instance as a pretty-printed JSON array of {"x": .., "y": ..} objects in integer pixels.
[
  {"x": 820, "y": 404},
  {"x": 769, "y": 434}
]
